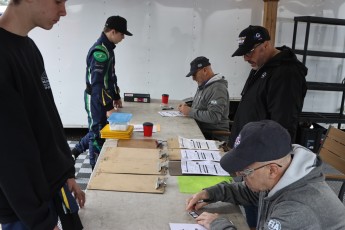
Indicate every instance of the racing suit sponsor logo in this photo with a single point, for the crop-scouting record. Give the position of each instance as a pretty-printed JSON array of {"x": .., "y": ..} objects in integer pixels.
[
  {"x": 274, "y": 224},
  {"x": 45, "y": 81},
  {"x": 100, "y": 56}
]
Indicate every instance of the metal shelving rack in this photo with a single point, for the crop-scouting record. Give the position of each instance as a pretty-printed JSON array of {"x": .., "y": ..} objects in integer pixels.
[{"x": 316, "y": 117}]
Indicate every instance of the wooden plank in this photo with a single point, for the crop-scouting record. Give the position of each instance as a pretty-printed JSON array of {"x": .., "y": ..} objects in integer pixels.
[
  {"x": 336, "y": 134},
  {"x": 336, "y": 177},
  {"x": 333, "y": 160},
  {"x": 335, "y": 147},
  {"x": 270, "y": 17}
]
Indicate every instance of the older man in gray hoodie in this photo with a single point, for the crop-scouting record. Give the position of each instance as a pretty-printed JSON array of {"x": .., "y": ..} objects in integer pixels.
[
  {"x": 285, "y": 181},
  {"x": 210, "y": 106}
]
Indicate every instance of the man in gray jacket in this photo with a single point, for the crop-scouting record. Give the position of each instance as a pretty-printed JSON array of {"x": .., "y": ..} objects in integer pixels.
[
  {"x": 210, "y": 106},
  {"x": 285, "y": 181}
]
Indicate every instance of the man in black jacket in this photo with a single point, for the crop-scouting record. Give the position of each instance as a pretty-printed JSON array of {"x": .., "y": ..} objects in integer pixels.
[
  {"x": 37, "y": 169},
  {"x": 275, "y": 88}
]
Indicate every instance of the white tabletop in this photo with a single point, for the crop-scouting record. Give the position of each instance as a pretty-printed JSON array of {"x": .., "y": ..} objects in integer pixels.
[{"x": 109, "y": 210}]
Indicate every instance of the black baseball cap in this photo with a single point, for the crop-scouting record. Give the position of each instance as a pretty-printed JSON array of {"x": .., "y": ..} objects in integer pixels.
[
  {"x": 198, "y": 63},
  {"x": 249, "y": 37},
  {"x": 259, "y": 141},
  {"x": 118, "y": 23}
]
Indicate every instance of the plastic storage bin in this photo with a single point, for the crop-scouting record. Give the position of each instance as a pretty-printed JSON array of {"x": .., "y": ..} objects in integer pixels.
[{"x": 119, "y": 121}]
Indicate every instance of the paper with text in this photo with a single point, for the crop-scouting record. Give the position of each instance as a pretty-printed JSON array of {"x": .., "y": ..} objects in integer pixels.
[
  {"x": 203, "y": 168},
  {"x": 197, "y": 144},
  {"x": 140, "y": 128},
  {"x": 171, "y": 114},
  {"x": 175, "y": 226},
  {"x": 197, "y": 155}
]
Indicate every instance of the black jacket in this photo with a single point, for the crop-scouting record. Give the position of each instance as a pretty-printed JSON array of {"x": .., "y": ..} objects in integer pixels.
[
  {"x": 275, "y": 92},
  {"x": 34, "y": 156}
]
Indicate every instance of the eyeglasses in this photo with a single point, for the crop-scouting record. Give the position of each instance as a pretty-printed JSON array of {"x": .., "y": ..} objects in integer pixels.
[
  {"x": 251, "y": 52},
  {"x": 247, "y": 172}
]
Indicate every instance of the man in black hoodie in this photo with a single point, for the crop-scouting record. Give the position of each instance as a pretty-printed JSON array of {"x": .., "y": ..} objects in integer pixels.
[
  {"x": 274, "y": 90},
  {"x": 37, "y": 170}
]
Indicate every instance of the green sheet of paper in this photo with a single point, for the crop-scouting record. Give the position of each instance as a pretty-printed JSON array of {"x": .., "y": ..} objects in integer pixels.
[{"x": 193, "y": 184}]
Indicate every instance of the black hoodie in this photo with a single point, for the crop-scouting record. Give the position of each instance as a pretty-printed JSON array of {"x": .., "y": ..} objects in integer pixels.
[
  {"x": 34, "y": 156},
  {"x": 276, "y": 92}
]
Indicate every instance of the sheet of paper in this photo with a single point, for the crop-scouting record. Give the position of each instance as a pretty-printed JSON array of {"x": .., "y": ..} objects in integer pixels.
[
  {"x": 197, "y": 155},
  {"x": 175, "y": 226},
  {"x": 193, "y": 184},
  {"x": 197, "y": 144},
  {"x": 171, "y": 113},
  {"x": 140, "y": 128},
  {"x": 203, "y": 168}
]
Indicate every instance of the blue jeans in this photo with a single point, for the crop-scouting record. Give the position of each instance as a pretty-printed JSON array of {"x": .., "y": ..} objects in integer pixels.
[
  {"x": 251, "y": 215},
  {"x": 18, "y": 225},
  {"x": 14, "y": 226}
]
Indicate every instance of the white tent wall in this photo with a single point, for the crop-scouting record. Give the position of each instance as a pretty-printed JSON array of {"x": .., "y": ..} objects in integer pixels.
[{"x": 168, "y": 34}]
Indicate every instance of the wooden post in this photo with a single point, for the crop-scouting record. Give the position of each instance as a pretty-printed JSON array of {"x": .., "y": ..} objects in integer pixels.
[{"x": 270, "y": 17}]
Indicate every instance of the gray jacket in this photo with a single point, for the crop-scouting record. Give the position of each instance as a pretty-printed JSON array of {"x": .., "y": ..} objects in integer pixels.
[
  {"x": 210, "y": 106},
  {"x": 300, "y": 200}
]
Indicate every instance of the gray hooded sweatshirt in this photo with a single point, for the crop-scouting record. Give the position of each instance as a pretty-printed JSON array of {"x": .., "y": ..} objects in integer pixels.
[
  {"x": 210, "y": 106},
  {"x": 300, "y": 200}
]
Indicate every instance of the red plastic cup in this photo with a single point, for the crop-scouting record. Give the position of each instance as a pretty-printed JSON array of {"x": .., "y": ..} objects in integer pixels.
[
  {"x": 148, "y": 126},
  {"x": 165, "y": 98}
]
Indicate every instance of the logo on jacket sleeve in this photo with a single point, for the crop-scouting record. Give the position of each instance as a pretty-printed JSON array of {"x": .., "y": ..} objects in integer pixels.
[
  {"x": 213, "y": 102},
  {"x": 45, "y": 80},
  {"x": 264, "y": 74},
  {"x": 274, "y": 224}
]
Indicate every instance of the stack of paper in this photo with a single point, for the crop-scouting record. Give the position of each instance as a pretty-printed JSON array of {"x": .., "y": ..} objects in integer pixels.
[{"x": 107, "y": 133}]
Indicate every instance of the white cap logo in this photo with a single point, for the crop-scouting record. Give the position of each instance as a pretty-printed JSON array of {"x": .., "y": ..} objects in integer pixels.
[
  {"x": 258, "y": 36},
  {"x": 237, "y": 141},
  {"x": 240, "y": 40}
]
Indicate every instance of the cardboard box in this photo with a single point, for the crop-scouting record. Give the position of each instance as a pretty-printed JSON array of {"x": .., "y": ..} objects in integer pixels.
[{"x": 137, "y": 97}]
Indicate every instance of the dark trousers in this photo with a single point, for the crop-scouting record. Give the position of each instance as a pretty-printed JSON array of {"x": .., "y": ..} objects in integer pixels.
[
  {"x": 251, "y": 215},
  {"x": 97, "y": 119}
]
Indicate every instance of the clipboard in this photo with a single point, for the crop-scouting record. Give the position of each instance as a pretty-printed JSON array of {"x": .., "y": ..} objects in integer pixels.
[
  {"x": 131, "y": 161},
  {"x": 138, "y": 143},
  {"x": 173, "y": 143},
  {"x": 127, "y": 183}
]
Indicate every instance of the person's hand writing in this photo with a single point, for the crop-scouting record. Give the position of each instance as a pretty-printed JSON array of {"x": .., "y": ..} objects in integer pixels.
[
  {"x": 185, "y": 109},
  {"x": 195, "y": 202},
  {"x": 76, "y": 191},
  {"x": 206, "y": 218}
]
